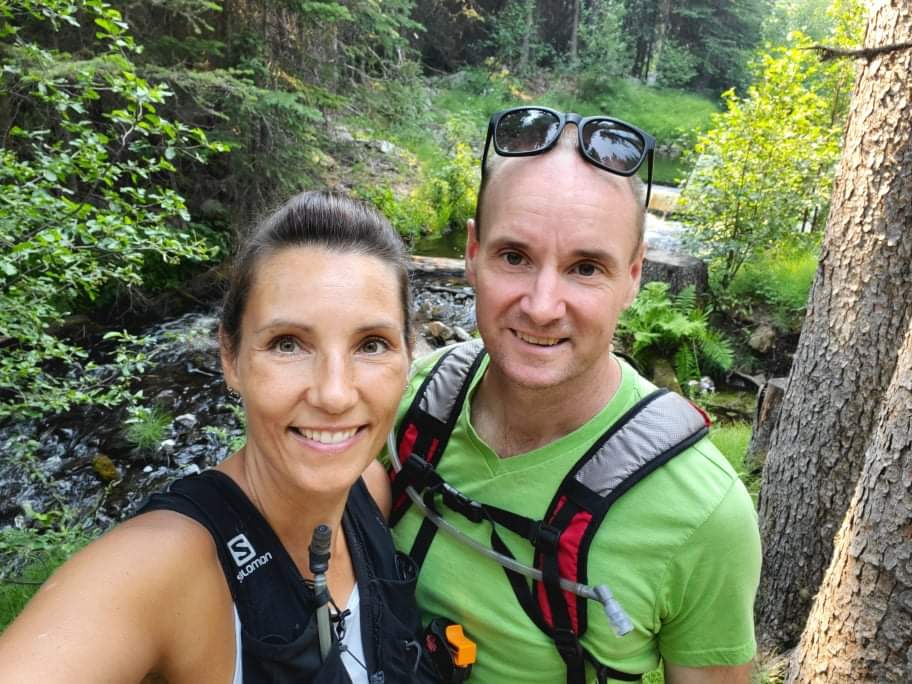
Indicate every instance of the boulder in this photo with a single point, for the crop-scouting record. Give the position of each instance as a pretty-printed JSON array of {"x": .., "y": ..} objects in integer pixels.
[{"x": 762, "y": 339}]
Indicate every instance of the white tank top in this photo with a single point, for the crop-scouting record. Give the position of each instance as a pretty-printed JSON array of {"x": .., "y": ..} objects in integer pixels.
[{"x": 353, "y": 648}]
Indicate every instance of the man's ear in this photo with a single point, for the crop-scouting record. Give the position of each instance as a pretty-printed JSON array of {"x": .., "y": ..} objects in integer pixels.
[
  {"x": 636, "y": 273},
  {"x": 471, "y": 252},
  {"x": 229, "y": 361}
]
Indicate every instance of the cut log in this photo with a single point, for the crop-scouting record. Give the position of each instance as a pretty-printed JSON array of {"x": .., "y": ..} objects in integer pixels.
[
  {"x": 769, "y": 400},
  {"x": 678, "y": 270}
]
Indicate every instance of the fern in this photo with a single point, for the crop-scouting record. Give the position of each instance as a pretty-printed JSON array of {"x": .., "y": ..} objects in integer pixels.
[{"x": 658, "y": 324}]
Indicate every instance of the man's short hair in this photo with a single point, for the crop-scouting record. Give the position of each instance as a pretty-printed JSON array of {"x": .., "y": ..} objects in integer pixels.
[{"x": 568, "y": 139}]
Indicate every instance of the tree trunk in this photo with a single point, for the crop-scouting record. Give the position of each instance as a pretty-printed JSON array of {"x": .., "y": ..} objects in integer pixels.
[
  {"x": 859, "y": 307},
  {"x": 527, "y": 36},
  {"x": 663, "y": 18},
  {"x": 574, "y": 33},
  {"x": 860, "y": 628}
]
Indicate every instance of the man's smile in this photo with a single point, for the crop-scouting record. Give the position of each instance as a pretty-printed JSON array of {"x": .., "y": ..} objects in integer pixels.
[{"x": 538, "y": 341}]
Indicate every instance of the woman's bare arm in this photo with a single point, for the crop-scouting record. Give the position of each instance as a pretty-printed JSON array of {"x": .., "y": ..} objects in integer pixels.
[{"x": 130, "y": 603}]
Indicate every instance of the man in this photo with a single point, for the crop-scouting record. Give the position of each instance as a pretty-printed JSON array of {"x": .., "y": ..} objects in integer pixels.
[{"x": 555, "y": 255}]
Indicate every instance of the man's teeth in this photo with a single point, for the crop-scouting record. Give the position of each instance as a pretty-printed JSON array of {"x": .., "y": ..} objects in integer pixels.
[
  {"x": 326, "y": 437},
  {"x": 542, "y": 341}
]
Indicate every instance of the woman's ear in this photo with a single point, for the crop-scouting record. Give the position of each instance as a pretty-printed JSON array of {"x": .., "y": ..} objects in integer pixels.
[{"x": 228, "y": 357}]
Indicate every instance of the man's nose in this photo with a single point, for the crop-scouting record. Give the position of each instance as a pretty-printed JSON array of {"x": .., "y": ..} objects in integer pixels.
[
  {"x": 333, "y": 388},
  {"x": 544, "y": 302}
]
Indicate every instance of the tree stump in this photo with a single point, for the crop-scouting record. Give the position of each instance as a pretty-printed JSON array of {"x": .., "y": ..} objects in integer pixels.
[
  {"x": 769, "y": 400},
  {"x": 678, "y": 270}
]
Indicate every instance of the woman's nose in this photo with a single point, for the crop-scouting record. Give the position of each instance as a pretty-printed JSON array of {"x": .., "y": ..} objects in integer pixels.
[{"x": 333, "y": 389}]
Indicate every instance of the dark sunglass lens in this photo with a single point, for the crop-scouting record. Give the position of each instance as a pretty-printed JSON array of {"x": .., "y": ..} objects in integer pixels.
[
  {"x": 613, "y": 145},
  {"x": 526, "y": 130}
]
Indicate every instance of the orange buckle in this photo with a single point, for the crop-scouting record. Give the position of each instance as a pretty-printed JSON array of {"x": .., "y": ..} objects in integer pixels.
[{"x": 464, "y": 649}]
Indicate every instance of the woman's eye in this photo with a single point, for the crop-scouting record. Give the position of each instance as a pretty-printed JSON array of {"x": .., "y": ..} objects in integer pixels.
[
  {"x": 513, "y": 258},
  {"x": 286, "y": 345},
  {"x": 375, "y": 346}
]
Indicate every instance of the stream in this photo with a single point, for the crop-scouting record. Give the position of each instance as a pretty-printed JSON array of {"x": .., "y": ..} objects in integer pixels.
[{"x": 84, "y": 460}]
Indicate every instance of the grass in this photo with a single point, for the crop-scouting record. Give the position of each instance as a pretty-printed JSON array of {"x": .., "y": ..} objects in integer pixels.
[
  {"x": 146, "y": 427},
  {"x": 732, "y": 440},
  {"x": 780, "y": 279},
  {"x": 27, "y": 558}
]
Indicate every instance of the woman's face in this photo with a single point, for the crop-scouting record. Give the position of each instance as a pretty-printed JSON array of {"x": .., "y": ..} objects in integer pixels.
[{"x": 321, "y": 365}]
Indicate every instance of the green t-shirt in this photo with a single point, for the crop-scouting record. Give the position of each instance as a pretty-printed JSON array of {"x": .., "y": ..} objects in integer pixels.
[{"x": 680, "y": 551}]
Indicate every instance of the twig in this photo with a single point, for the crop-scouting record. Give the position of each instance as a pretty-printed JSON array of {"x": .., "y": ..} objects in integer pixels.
[{"x": 828, "y": 52}]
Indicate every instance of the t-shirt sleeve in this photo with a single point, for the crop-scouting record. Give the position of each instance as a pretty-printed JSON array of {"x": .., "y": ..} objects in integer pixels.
[{"x": 707, "y": 609}]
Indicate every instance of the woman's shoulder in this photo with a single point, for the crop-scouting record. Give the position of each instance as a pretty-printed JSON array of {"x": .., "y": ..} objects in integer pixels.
[{"x": 137, "y": 591}]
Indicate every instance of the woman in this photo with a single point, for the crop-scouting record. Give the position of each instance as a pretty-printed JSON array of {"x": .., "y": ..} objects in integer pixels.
[{"x": 209, "y": 583}]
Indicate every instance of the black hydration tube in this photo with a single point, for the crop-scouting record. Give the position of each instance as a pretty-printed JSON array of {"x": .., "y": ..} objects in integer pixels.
[{"x": 319, "y": 547}]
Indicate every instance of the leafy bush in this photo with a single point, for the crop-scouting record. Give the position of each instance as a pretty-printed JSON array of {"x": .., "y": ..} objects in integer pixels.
[
  {"x": 657, "y": 325},
  {"x": 444, "y": 199},
  {"x": 765, "y": 169},
  {"x": 85, "y": 178}
]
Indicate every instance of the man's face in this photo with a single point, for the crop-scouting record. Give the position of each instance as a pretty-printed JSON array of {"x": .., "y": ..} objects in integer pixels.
[{"x": 556, "y": 264}]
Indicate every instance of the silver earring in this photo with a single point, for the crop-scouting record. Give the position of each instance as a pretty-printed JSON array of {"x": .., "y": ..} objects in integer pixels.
[{"x": 234, "y": 394}]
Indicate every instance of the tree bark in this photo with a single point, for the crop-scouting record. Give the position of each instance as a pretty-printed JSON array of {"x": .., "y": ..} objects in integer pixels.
[
  {"x": 859, "y": 306},
  {"x": 574, "y": 33},
  {"x": 527, "y": 36},
  {"x": 860, "y": 628}
]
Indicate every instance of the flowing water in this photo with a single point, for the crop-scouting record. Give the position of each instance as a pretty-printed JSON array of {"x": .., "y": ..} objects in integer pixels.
[{"x": 184, "y": 381}]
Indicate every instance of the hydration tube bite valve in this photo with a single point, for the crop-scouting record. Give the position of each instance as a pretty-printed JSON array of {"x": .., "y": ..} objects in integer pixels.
[
  {"x": 615, "y": 613},
  {"x": 319, "y": 550}
]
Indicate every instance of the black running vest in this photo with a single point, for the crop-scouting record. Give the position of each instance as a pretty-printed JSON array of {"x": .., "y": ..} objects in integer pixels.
[{"x": 276, "y": 606}]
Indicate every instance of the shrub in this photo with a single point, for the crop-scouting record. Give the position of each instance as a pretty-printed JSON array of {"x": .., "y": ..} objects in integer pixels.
[{"x": 86, "y": 180}]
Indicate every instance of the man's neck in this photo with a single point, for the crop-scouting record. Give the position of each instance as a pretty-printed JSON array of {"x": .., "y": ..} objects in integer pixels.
[{"x": 514, "y": 420}]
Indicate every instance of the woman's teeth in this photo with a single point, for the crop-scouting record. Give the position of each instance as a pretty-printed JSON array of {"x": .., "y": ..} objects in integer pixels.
[{"x": 325, "y": 436}]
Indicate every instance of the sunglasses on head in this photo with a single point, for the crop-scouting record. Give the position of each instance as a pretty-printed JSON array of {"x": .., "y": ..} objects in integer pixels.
[{"x": 610, "y": 144}]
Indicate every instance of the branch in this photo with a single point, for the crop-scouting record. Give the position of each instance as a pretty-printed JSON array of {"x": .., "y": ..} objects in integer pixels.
[{"x": 828, "y": 53}]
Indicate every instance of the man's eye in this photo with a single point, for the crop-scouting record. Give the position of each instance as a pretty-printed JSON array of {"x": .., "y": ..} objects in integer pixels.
[
  {"x": 375, "y": 346},
  {"x": 286, "y": 345},
  {"x": 513, "y": 258},
  {"x": 587, "y": 269}
]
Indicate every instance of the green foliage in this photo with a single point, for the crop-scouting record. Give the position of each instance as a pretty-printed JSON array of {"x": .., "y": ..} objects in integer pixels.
[
  {"x": 678, "y": 66},
  {"x": 781, "y": 279},
  {"x": 146, "y": 426},
  {"x": 766, "y": 168},
  {"x": 674, "y": 117},
  {"x": 28, "y": 557},
  {"x": 444, "y": 199},
  {"x": 233, "y": 439},
  {"x": 658, "y": 325},
  {"x": 603, "y": 51},
  {"x": 85, "y": 186}
]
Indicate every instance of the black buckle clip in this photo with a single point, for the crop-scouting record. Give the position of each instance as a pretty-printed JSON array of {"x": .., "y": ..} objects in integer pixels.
[
  {"x": 545, "y": 537},
  {"x": 418, "y": 472},
  {"x": 459, "y": 502}
]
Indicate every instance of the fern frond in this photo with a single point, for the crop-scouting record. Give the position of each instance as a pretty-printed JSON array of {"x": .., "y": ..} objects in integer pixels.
[
  {"x": 716, "y": 349},
  {"x": 686, "y": 300},
  {"x": 685, "y": 364}
]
